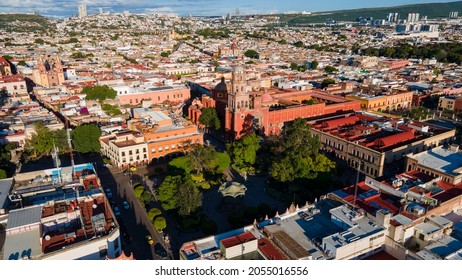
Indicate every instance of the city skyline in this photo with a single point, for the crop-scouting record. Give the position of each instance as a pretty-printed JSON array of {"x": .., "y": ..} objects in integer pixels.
[{"x": 60, "y": 8}]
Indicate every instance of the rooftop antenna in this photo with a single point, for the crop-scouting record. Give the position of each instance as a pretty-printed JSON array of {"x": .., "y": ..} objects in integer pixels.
[
  {"x": 356, "y": 187},
  {"x": 57, "y": 161}
]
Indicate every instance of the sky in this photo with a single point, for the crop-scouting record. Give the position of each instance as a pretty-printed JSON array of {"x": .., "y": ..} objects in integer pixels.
[{"x": 66, "y": 8}]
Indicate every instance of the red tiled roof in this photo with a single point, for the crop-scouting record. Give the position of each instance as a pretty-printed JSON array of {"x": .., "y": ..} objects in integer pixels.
[
  {"x": 239, "y": 239},
  {"x": 394, "y": 139},
  {"x": 340, "y": 122},
  {"x": 3, "y": 61},
  {"x": 268, "y": 250}
]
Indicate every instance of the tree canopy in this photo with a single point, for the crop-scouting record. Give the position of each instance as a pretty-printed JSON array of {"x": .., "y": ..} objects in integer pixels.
[
  {"x": 201, "y": 158},
  {"x": 86, "y": 138},
  {"x": 251, "y": 54},
  {"x": 43, "y": 140},
  {"x": 160, "y": 223},
  {"x": 295, "y": 154},
  {"x": 209, "y": 118},
  {"x": 327, "y": 82},
  {"x": 244, "y": 151},
  {"x": 330, "y": 69},
  {"x": 99, "y": 93},
  {"x": 314, "y": 64},
  {"x": 179, "y": 192}
]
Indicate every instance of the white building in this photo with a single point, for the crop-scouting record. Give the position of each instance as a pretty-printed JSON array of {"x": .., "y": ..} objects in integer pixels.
[{"x": 82, "y": 10}]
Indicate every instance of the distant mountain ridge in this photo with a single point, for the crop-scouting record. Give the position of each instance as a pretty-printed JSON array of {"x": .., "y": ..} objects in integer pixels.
[
  {"x": 24, "y": 22},
  {"x": 431, "y": 10}
]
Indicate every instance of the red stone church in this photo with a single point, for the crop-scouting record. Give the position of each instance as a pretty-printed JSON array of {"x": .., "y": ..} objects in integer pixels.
[{"x": 242, "y": 111}]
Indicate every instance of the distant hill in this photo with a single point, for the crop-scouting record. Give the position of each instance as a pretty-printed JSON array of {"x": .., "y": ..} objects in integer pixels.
[
  {"x": 431, "y": 10},
  {"x": 24, "y": 22}
]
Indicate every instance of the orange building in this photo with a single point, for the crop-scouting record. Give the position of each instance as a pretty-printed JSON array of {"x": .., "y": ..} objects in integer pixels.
[
  {"x": 153, "y": 136},
  {"x": 265, "y": 111},
  {"x": 157, "y": 94},
  {"x": 49, "y": 72}
]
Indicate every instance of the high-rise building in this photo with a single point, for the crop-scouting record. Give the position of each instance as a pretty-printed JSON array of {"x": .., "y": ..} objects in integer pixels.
[
  {"x": 100, "y": 11},
  {"x": 238, "y": 13},
  {"x": 82, "y": 10},
  {"x": 392, "y": 17},
  {"x": 413, "y": 17},
  {"x": 453, "y": 14}
]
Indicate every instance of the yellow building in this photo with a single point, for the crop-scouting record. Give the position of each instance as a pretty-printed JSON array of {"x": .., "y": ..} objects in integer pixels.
[{"x": 388, "y": 102}]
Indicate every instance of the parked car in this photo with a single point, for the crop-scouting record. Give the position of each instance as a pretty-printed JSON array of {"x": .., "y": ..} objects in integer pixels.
[
  {"x": 109, "y": 193},
  {"x": 116, "y": 211},
  {"x": 126, "y": 205},
  {"x": 160, "y": 251},
  {"x": 149, "y": 239}
]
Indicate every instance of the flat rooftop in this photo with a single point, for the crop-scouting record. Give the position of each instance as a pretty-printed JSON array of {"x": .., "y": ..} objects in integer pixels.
[{"x": 441, "y": 159}]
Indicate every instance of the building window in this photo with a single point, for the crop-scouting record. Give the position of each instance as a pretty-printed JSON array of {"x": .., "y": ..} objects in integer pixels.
[
  {"x": 145, "y": 156},
  {"x": 137, "y": 151},
  {"x": 144, "y": 150},
  {"x": 160, "y": 149},
  {"x": 173, "y": 146},
  {"x": 130, "y": 152},
  {"x": 166, "y": 148},
  {"x": 158, "y": 98},
  {"x": 153, "y": 150},
  {"x": 123, "y": 154}
]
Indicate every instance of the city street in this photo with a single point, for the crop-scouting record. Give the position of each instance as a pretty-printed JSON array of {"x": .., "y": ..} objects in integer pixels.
[{"x": 134, "y": 220}]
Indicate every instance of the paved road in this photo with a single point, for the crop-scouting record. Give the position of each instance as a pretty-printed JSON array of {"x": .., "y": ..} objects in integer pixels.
[{"x": 135, "y": 220}]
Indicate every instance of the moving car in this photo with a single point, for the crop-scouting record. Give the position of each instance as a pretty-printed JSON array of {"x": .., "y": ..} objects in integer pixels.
[
  {"x": 149, "y": 240},
  {"x": 126, "y": 205},
  {"x": 108, "y": 193},
  {"x": 116, "y": 211}
]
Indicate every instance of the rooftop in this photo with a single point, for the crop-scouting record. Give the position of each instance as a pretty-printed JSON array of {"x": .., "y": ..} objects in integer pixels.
[{"x": 441, "y": 159}]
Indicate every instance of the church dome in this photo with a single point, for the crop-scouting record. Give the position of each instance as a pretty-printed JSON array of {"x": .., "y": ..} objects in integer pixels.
[{"x": 221, "y": 86}]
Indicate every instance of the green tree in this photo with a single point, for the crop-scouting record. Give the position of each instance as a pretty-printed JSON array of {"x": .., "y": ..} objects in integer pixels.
[
  {"x": 39, "y": 41},
  {"x": 209, "y": 118},
  {"x": 201, "y": 158},
  {"x": 160, "y": 223},
  {"x": 139, "y": 192},
  {"x": 299, "y": 44},
  {"x": 327, "y": 82},
  {"x": 153, "y": 212},
  {"x": 295, "y": 154},
  {"x": 86, "y": 138},
  {"x": 22, "y": 63},
  {"x": 330, "y": 69},
  {"x": 2, "y": 174},
  {"x": 168, "y": 191},
  {"x": 146, "y": 197},
  {"x": 244, "y": 151},
  {"x": 251, "y": 54},
  {"x": 99, "y": 93},
  {"x": 165, "y": 54},
  {"x": 294, "y": 66},
  {"x": 110, "y": 110},
  {"x": 43, "y": 140},
  {"x": 314, "y": 64},
  {"x": 189, "y": 197}
]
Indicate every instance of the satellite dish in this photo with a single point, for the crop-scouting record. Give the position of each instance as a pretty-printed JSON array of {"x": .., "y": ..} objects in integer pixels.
[{"x": 47, "y": 237}]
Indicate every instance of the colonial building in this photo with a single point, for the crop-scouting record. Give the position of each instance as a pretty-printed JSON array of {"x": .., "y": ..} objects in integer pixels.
[
  {"x": 371, "y": 143},
  {"x": 153, "y": 135},
  {"x": 389, "y": 101},
  {"x": 5, "y": 68},
  {"x": 49, "y": 72},
  {"x": 266, "y": 110}
]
